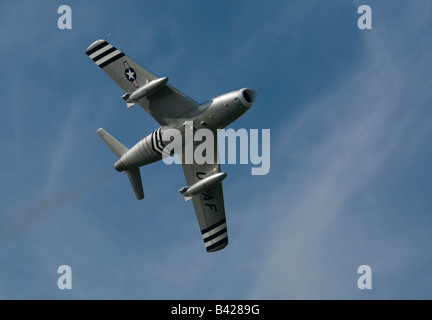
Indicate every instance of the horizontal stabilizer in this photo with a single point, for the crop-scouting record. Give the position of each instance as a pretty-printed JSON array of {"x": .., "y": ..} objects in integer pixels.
[
  {"x": 136, "y": 182},
  {"x": 112, "y": 143},
  {"x": 119, "y": 150}
]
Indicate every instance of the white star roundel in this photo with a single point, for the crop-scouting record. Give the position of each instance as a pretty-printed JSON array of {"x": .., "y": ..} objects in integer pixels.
[{"x": 130, "y": 74}]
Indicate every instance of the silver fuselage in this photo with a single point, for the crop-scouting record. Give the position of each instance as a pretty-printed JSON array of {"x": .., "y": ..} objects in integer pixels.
[{"x": 213, "y": 115}]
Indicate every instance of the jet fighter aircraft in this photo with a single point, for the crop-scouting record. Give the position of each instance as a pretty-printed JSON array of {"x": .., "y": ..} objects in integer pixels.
[{"x": 173, "y": 109}]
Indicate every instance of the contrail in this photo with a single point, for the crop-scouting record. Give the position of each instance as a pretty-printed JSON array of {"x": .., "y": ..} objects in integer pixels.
[{"x": 37, "y": 212}]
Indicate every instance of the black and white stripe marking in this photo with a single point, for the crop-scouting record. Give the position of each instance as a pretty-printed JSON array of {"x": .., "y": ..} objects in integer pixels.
[
  {"x": 104, "y": 54},
  {"x": 215, "y": 235},
  {"x": 156, "y": 142}
]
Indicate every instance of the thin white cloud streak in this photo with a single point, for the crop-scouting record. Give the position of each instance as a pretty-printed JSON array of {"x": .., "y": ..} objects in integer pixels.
[
  {"x": 359, "y": 126},
  {"x": 61, "y": 148}
]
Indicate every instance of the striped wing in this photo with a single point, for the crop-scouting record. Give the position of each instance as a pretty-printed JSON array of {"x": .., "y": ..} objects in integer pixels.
[
  {"x": 209, "y": 205},
  {"x": 166, "y": 103}
]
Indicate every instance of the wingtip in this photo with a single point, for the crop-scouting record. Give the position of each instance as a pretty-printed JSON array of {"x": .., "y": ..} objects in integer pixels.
[
  {"x": 218, "y": 247},
  {"x": 94, "y": 44},
  {"x": 100, "y": 132}
]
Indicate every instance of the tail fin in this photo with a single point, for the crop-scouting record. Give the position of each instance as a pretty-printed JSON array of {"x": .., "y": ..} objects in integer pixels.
[{"x": 119, "y": 150}]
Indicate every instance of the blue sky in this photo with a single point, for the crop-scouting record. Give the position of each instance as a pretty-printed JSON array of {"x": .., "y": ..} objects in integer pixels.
[{"x": 350, "y": 179}]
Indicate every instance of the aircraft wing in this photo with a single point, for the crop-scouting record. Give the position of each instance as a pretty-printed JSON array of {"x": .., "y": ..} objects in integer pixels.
[
  {"x": 209, "y": 205},
  {"x": 164, "y": 104}
]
